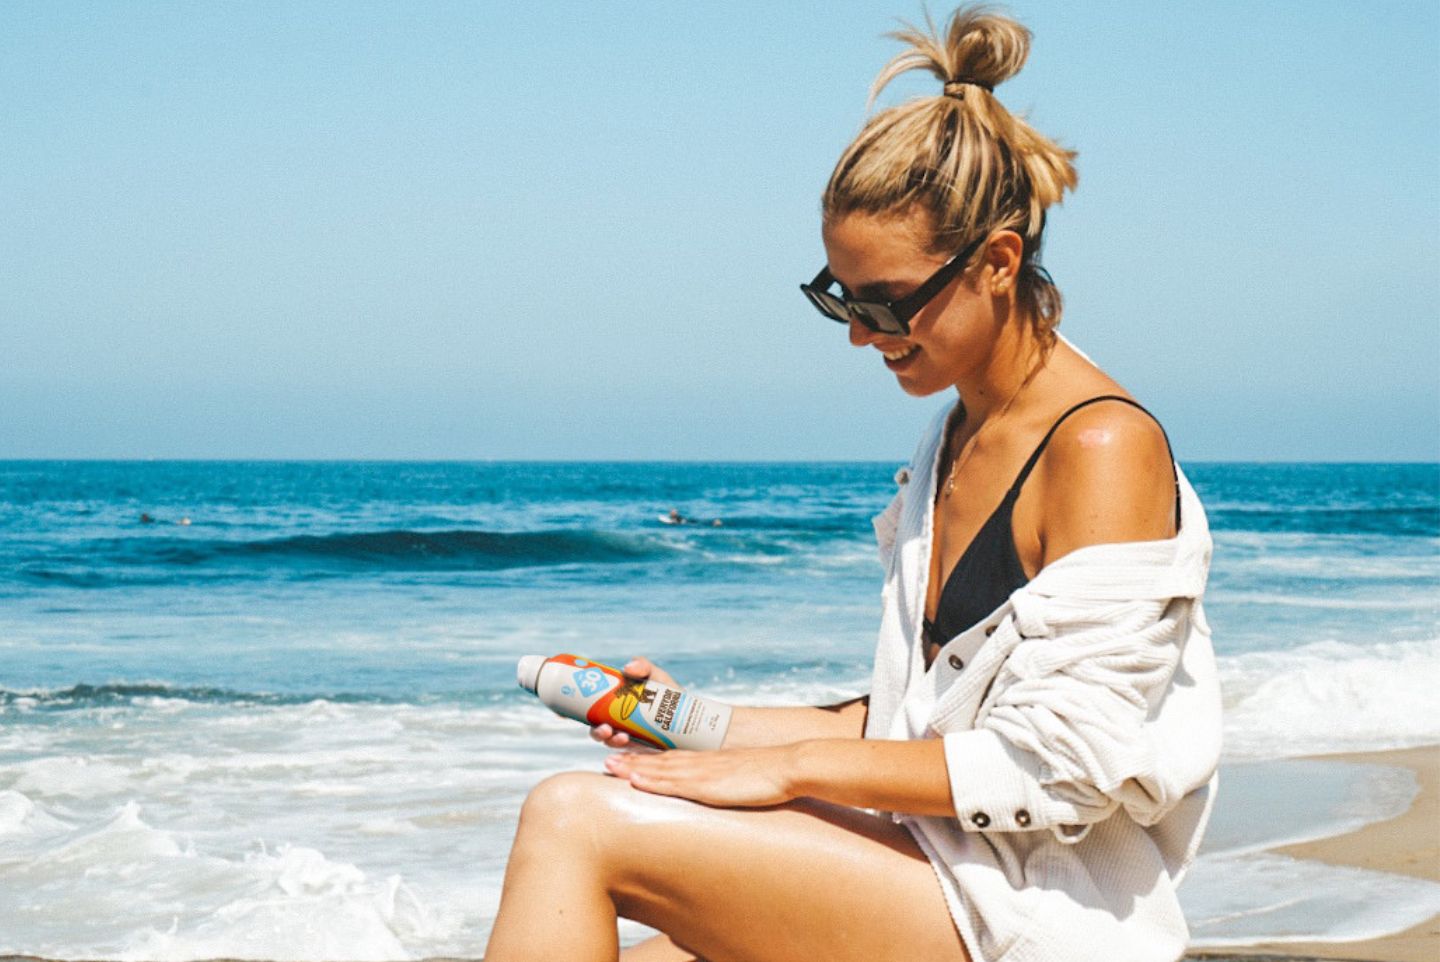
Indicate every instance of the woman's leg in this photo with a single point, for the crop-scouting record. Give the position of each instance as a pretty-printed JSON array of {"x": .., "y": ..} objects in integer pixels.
[
  {"x": 792, "y": 883},
  {"x": 657, "y": 949}
]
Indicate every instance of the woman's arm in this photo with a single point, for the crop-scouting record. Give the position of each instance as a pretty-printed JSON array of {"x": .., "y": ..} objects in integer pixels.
[
  {"x": 758, "y": 727},
  {"x": 770, "y": 727},
  {"x": 900, "y": 776},
  {"x": 764, "y": 727}
]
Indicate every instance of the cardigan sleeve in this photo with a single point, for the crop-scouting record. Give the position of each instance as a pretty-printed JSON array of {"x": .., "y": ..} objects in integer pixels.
[{"x": 1091, "y": 711}]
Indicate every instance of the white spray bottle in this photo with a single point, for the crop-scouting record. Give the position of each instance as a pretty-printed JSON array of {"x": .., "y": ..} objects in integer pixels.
[{"x": 647, "y": 711}]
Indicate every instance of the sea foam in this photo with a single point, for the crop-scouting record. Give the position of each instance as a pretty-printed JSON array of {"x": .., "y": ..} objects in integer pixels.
[
  {"x": 1331, "y": 697},
  {"x": 1243, "y": 899},
  {"x": 132, "y": 891}
]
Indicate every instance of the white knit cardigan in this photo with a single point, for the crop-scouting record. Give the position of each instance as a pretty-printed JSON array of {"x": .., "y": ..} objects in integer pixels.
[{"x": 1081, "y": 723}]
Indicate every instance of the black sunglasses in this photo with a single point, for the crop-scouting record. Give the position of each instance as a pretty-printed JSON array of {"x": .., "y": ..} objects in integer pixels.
[{"x": 885, "y": 317}]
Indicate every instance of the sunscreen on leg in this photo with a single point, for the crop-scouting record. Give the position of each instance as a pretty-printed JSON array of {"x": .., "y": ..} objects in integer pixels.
[{"x": 647, "y": 711}]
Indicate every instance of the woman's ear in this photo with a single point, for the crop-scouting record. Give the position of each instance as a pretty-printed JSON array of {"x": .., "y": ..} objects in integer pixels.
[{"x": 1003, "y": 255}]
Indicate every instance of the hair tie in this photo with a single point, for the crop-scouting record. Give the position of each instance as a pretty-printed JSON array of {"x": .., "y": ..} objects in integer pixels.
[{"x": 956, "y": 88}]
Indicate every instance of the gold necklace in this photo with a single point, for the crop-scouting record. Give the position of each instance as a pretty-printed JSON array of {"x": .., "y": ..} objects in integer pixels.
[{"x": 964, "y": 455}]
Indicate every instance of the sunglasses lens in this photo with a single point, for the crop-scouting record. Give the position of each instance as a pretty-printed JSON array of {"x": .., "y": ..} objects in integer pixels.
[
  {"x": 828, "y": 304},
  {"x": 878, "y": 318}
]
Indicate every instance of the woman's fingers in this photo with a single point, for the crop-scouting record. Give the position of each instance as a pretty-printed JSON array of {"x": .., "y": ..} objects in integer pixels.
[
  {"x": 638, "y": 668},
  {"x": 642, "y": 669},
  {"x": 670, "y": 779},
  {"x": 746, "y": 778},
  {"x": 607, "y": 735},
  {"x": 621, "y": 766}
]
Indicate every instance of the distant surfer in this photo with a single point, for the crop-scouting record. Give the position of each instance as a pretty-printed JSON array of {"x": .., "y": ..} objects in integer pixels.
[
  {"x": 675, "y": 517},
  {"x": 146, "y": 519}
]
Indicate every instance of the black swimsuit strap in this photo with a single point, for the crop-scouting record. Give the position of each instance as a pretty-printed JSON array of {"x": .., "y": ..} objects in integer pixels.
[{"x": 1014, "y": 491}]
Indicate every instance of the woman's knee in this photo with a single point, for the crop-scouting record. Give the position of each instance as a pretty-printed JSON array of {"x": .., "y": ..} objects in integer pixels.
[
  {"x": 565, "y": 802},
  {"x": 589, "y": 808},
  {"x": 598, "y": 818}
]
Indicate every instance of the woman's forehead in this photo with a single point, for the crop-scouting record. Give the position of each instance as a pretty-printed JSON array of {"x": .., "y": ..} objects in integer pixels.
[{"x": 873, "y": 250}]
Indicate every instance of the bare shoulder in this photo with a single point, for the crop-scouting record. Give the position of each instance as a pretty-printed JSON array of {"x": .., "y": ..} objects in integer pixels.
[
  {"x": 1109, "y": 433},
  {"x": 1107, "y": 477}
]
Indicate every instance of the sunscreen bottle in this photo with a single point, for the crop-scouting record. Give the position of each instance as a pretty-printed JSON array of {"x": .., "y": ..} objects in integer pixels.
[{"x": 647, "y": 711}]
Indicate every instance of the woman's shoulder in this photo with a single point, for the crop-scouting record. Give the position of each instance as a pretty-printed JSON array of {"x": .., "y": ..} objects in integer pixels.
[
  {"x": 1098, "y": 426},
  {"x": 1111, "y": 427},
  {"x": 1106, "y": 476}
]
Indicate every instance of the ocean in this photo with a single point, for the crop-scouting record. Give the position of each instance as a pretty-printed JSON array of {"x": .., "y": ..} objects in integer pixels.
[{"x": 279, "y": 718}]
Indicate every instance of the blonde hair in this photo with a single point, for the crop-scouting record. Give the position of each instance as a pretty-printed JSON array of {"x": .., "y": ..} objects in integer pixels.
[{"x": 960, "y": 155}]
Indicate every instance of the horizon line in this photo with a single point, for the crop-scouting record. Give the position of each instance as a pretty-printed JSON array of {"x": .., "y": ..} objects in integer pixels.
[{"x": 364, "y": 460}]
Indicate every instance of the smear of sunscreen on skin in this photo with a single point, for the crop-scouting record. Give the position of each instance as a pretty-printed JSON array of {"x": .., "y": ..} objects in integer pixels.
[
  {"x": 644, "y": 808},
  {"x": 1095, "y": 437}
]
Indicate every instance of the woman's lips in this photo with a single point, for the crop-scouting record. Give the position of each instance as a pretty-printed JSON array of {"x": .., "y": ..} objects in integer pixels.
[{"x": 904, "y": 361}]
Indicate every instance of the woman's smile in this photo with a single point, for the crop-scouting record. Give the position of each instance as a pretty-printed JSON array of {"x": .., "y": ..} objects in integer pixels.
[{"x": 902, "y": 357}]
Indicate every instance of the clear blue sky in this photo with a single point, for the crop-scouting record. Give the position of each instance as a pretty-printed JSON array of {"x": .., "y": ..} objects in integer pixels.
[{"x": 566, "y": 230}]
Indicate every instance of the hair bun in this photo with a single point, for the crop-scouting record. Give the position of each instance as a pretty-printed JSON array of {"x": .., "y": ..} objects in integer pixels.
[{"x": 979, "y": 46}]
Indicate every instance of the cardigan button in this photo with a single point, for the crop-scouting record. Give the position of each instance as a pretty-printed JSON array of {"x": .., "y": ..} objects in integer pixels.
[
  {"x": 990, "y": 630},
  {"x": 980, "y": 820},
  {"x": 1022, "y": 818},
  {"x": 956, "y": 662}
]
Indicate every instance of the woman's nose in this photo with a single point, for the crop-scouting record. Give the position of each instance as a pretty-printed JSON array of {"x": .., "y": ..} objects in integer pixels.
[{"x": 860, "y": 335}]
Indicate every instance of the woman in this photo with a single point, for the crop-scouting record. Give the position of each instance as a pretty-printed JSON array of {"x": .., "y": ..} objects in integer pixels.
[{"x": 1043, "y": 728}]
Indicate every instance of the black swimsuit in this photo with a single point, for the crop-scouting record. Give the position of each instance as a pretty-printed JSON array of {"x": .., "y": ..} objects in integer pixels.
[{"x": 990, "y": 568}]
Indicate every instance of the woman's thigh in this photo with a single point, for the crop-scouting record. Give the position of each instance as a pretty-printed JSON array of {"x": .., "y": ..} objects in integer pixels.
[{"x": 801, "y": 881}]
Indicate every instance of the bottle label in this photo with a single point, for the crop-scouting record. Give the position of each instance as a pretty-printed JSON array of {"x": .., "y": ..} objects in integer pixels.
[{"x": 647, "y": 711}]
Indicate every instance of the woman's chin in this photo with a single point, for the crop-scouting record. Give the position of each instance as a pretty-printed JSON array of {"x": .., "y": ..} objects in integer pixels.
[{"x": 917, "y": 387}]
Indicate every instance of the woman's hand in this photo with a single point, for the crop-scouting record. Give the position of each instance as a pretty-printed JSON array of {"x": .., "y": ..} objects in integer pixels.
[
  {"x": 636, "y": 669},
  {"x": 735, "y": 778}
]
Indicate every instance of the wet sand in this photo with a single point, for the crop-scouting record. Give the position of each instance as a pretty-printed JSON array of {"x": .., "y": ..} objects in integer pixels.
[{"x": 1408, "y": 844}]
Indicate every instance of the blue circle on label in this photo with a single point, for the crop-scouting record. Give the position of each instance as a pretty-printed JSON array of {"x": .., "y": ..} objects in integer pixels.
[{"x": 566, "y": 690}]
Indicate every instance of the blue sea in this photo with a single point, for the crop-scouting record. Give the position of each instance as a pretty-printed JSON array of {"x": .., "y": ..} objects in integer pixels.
[{"x": 268, "y": 709}]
